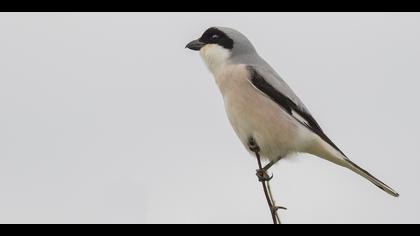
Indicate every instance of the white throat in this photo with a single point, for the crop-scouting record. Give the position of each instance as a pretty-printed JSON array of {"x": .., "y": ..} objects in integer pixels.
[{"x": 215, "y": 57}]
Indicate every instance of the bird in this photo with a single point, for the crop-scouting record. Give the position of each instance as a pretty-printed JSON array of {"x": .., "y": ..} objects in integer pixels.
[{"x": 263, "y": 110}]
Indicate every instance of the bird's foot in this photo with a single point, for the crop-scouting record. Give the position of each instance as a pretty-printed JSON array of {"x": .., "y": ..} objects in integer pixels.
[{"x": 263, "y": 176}]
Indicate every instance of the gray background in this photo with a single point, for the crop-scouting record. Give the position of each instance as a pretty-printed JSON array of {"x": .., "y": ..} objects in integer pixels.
[{"x": 106, "y": 118}]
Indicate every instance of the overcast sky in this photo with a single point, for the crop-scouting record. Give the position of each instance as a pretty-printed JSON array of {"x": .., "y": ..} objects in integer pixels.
[{"x": 107, "y": 118}]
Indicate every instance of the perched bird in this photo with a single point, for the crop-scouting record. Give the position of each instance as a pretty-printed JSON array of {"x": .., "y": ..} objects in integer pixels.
[{"x": 262, "y": 109}]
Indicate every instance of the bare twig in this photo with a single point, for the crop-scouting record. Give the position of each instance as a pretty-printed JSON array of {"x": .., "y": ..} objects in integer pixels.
[
  {"x": 267, "y": 190},
  {"x": 264, "y": 178},
  {"x": 273, "y": 202}
]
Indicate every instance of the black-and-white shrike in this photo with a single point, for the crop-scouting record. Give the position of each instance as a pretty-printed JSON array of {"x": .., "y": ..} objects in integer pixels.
[{"x": 262, "y": 109}]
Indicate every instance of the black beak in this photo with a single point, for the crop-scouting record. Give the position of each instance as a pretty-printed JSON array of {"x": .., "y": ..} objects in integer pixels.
[{"x": 195, "y": 45}]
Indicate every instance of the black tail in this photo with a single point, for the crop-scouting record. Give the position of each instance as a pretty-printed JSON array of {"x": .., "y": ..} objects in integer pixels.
[{"x": 352, "y": 166}]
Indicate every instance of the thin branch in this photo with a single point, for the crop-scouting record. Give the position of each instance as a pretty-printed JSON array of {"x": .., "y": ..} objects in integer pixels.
[
  {"x": 273, "y": 202},
  {"x": 267, "y": 192}
]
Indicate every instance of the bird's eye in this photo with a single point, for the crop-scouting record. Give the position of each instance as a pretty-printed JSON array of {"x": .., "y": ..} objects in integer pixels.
[{"x": 215, "y": 36}]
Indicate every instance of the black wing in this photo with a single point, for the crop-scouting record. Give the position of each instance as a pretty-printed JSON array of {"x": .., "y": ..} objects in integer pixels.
[{"x": 289, "y": 106}]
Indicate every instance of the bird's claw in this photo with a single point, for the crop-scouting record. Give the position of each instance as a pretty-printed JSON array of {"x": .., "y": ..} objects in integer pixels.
[{"x": 263, "y": 176}]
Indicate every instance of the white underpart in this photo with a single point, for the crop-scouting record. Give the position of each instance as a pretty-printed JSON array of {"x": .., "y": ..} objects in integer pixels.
[
  {"x": 253, "y": 114},
  {"x": 215, "y": 57}
]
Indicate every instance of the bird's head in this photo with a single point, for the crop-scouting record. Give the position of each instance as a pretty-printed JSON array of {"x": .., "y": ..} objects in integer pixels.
[{"x": 219, "y": 45}]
